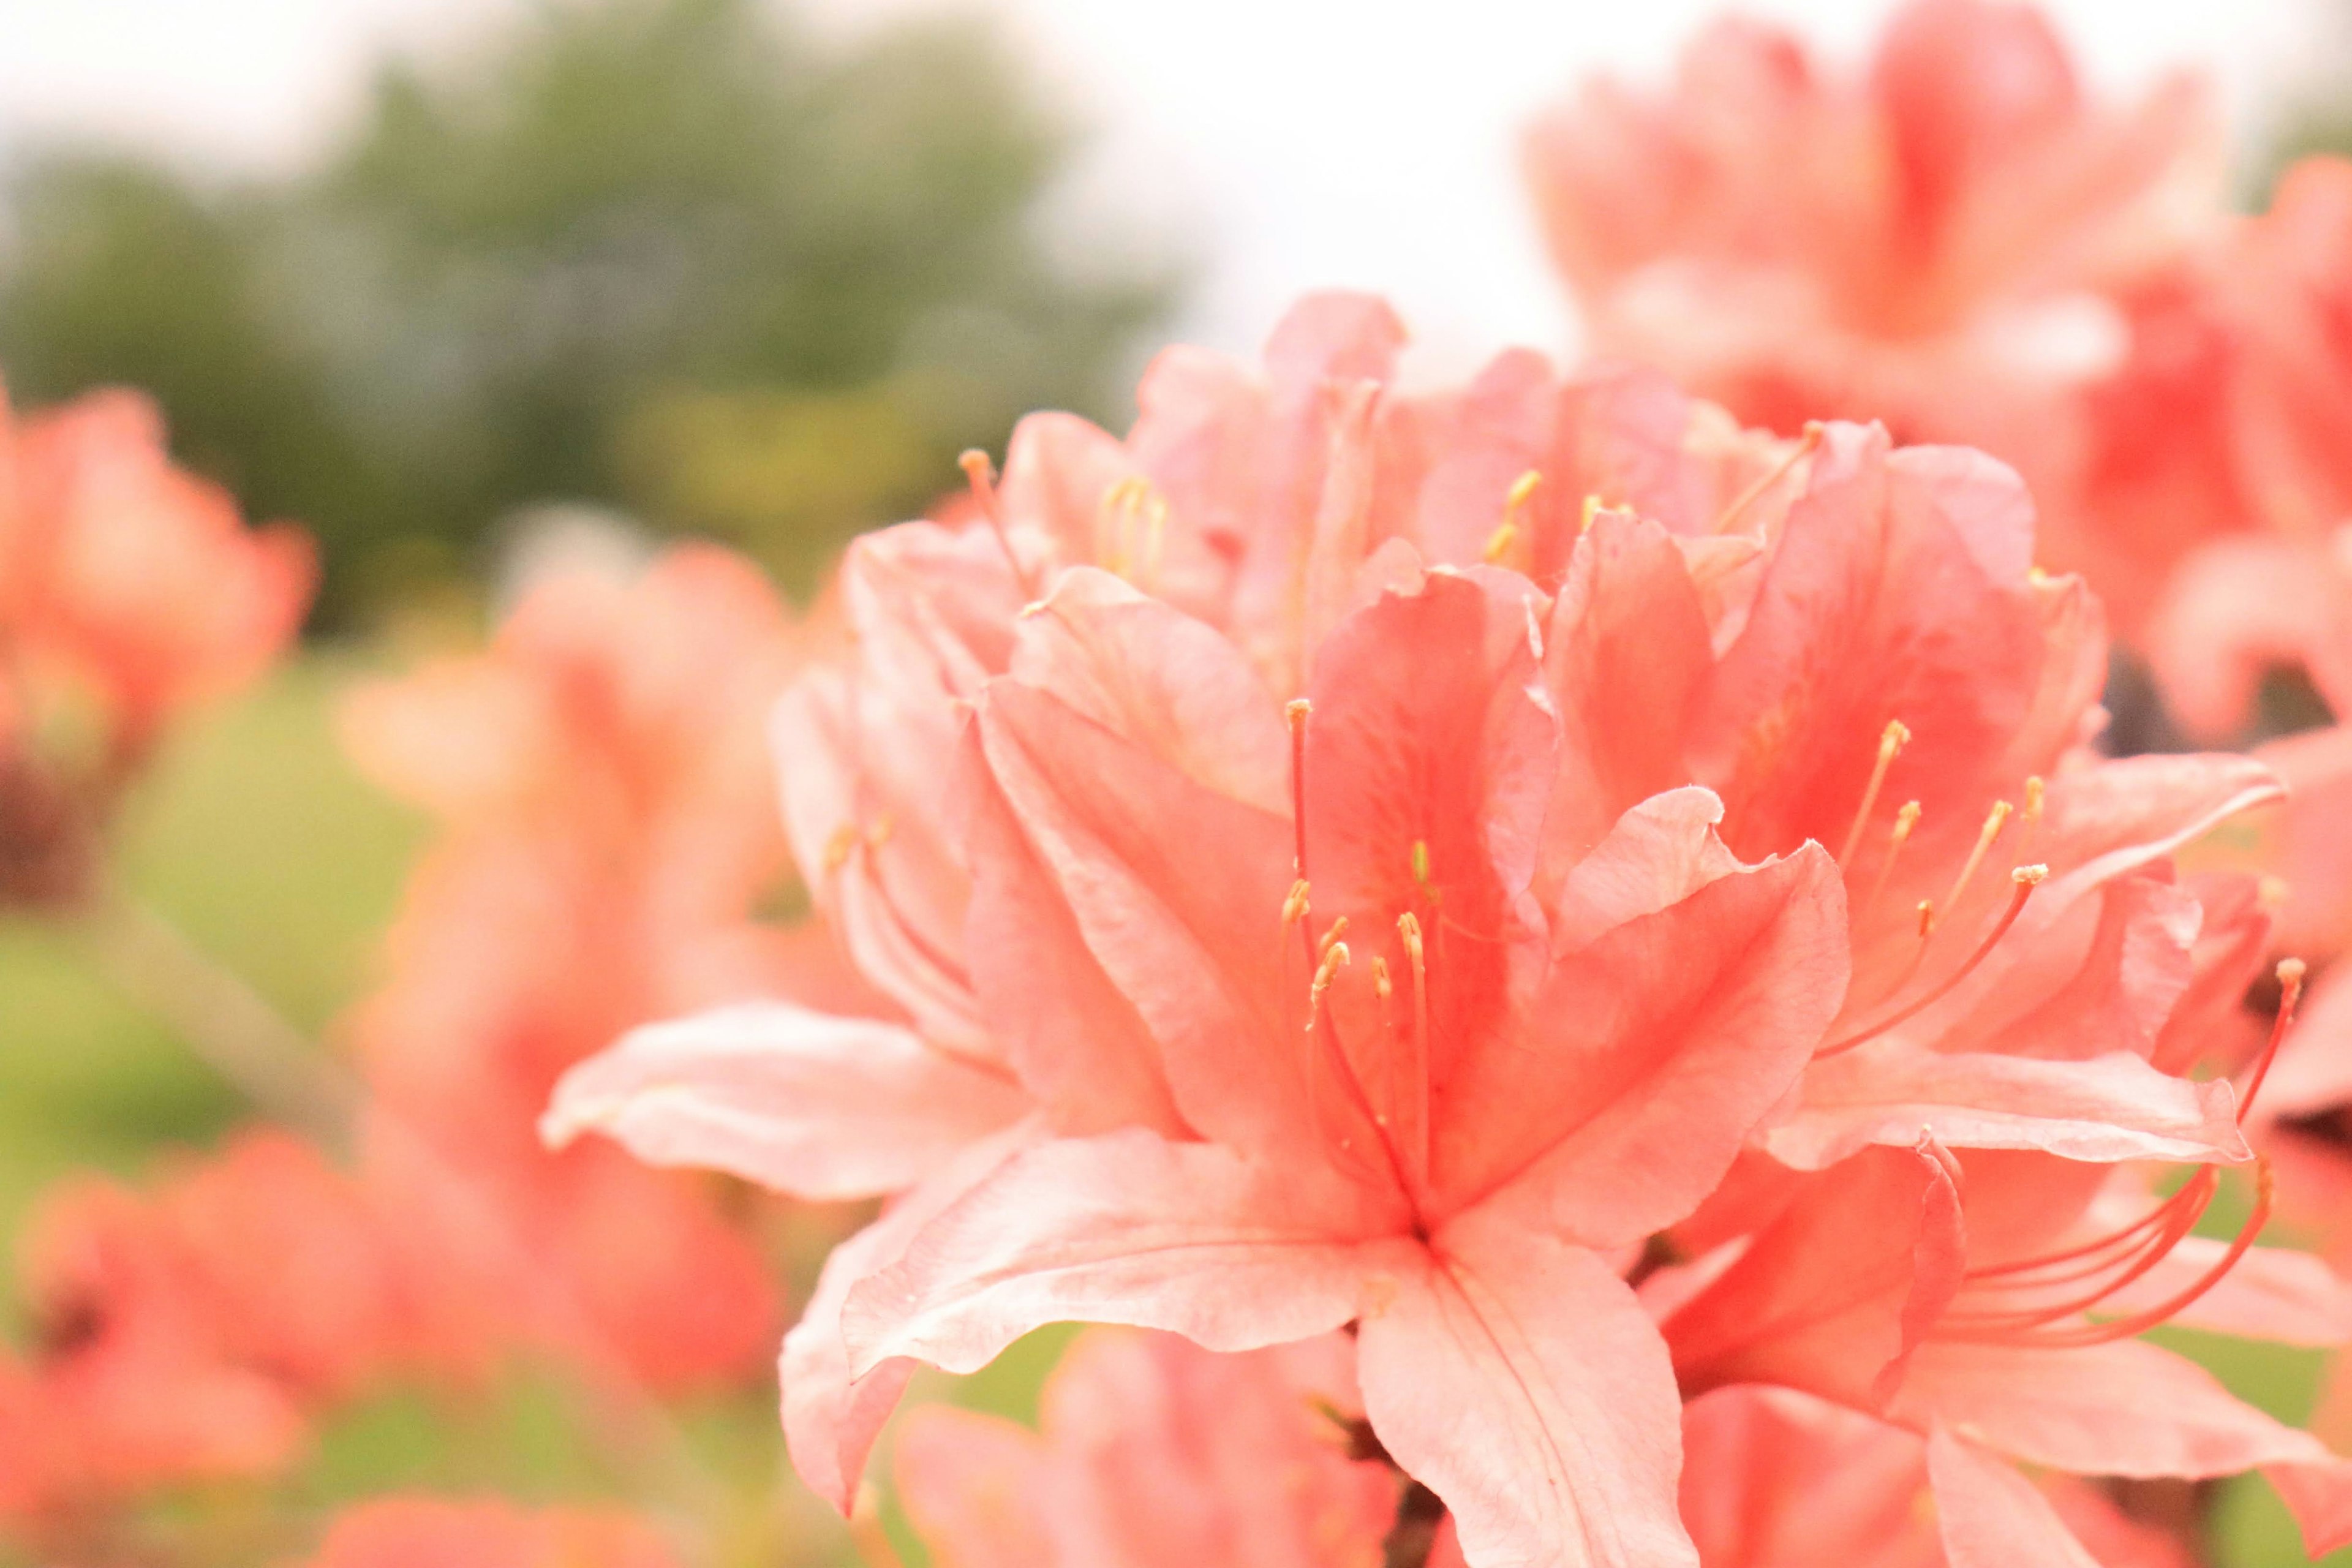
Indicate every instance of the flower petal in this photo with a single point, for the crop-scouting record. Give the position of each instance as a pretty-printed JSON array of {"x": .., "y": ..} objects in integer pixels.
[
  {"x": 2114, "y": 1106},
  {"x": 1990, "y": 1516},
  {"x": 818, "y": 1106},
  {"x": 1124, "y": 1229},
  {"x": 1650, "y": 1055},
  {"x": 1517, "y": 1377},
  {"x": 1835, "y": 1294}
]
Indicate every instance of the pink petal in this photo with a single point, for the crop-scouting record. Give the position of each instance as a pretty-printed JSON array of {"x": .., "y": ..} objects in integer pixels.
[
  {"x": 1897, "y": 591},
  {"x": 1124, "y": 1229},
  {"x": 1077, "y": 1045},
  {"x": 1057, "y": 470},
  {"x": 1991, "y": 1517},
  {"x": 1650, "y": 1055},
  {"x": 1657, "y": 854},
  {"x": 2110, "y": 1108},
  {"x": 1163, "y": 1455},
  {"x": 1775, "y": 1478},
  {"x": 969, "y": 1483},
  {"x": 1516, "y": 1377},
  {"x": 1194, "y": 941},
  {"x": 2270, "y": 1293},
  {"x": 831, "y": 1411},
  {"x": 2123, "y": 1409},
  {"x": 1160, "y": 680},
  {"x": 1836, "y": 1294},
  {"x": 1625, "y": 657},
  {"x": 1427, "y": 758},
  {"x": 898, "y": 906},
  {"x": 820, "y": 1106}
]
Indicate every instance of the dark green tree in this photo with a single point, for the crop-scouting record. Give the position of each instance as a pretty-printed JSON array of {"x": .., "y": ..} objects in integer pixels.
[{"x": 671, "y": 254}]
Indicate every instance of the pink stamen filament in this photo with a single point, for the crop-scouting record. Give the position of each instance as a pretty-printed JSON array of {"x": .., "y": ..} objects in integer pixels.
[
  {"x": 2023, "y": 1327},
  {"x": 981, "y": 475},
  {"x": 2025, "y": 878},
  {"x": 2290, "y": 974}
]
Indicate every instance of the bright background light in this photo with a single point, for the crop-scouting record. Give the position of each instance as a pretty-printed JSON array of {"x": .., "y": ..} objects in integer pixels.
[{"x": 1283, "y": 143}]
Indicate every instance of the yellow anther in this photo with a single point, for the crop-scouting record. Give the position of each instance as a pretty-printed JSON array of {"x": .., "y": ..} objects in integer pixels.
[
  {"x": 1335, "y": 958},
  {"x": 1294, "y": 712},
  {"x": 879, "y": 833},
  {"x": 2271, "y": 892},
  {"x": 1381, "y": 986},
  {"x": 1498, "y": 543},
  {"x": 841, "y": 845},
  {"x": 2034, "y": 790},
  {"x": 1594, "y": 507},
  {"x": 2290, "y": 970},
  {"x": 2030, "y": 875},
  {"x": 1522, "y": 489},
  {"x": 1926, "y": 916},
  {"x": 1294, "y": 904},
  {"x": 1339, "y": 929},
  {"x": 1420, "y": 863}
]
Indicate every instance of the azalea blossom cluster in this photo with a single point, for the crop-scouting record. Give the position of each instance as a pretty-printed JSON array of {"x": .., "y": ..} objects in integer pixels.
[
  {"x": 1562, "y": 967},
  {"x": 1618, "y": 917}
]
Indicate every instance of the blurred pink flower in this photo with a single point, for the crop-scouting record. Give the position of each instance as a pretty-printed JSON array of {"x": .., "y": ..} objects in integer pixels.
[
  {"x": 1958, "y": 242},
  {"x": 191, "y": 1333},
  {"x": 426, "y": 1532},
  {"x": 129, "y": 589},
  {"x": 121, "y": 570},
  {"x": 1152, "y": 1453}
]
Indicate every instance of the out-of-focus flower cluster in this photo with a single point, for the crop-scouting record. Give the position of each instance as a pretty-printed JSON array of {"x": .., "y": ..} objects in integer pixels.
[
  {"x": 608, "y": 839},
  {"x": 1567, "y": 963}
]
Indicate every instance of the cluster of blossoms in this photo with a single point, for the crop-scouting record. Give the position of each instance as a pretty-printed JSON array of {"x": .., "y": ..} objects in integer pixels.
[
  {"x": 608, "y": 840},
  {"x": 1562, "y": 964},
  {"x": 1620, "y": 916}
]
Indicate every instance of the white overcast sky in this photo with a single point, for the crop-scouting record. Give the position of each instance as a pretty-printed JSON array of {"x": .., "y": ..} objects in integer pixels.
[{"x": 1290, "y": 143}]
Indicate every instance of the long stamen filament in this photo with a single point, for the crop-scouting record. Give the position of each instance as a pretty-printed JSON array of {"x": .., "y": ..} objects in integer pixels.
[
  {"x": 2020, "y": 1328},
  {"x": 1814, "y": 430},
  {"x": 1416, "y": 1073},
  {"x": 2290, "y": 976},
  {"x": 1995, "y": 820},
  {"x": 1891, "y": 741},
  {"x": 1906, "y": 818},
  {"x": 980, "y": 475},
  {"x": 2024, "y": 880}
]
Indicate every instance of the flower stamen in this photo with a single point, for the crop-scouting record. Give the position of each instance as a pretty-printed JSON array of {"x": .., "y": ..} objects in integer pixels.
[
  {"x": 1891, "y": 741},
  {"x": 2024, "y": 880}
]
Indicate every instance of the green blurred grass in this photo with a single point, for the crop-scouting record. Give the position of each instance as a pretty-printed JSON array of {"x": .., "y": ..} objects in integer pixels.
[{"x": 259, "y": 839}]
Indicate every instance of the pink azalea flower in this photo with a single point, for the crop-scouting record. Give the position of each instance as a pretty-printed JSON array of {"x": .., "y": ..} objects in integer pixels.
[
  {"x": 1416, "y": 1161},
  {"x": 1152, "y": 1453},
  {"x": 1782, "y": 605},
  {"x": 1957, "y": 241},
  {"x": 427, "y": 1533},
  {"x": 1245, "y": 497}
]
